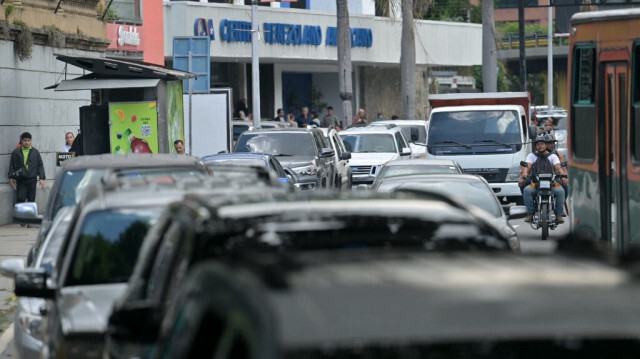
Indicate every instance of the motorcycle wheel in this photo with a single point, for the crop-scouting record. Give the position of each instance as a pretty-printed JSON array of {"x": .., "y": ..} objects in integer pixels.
[{"x": 544, "y": 220}]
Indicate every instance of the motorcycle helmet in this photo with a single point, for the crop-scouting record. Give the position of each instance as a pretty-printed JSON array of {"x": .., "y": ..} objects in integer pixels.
[
  {"x": 539, "y": 138},
  {"x": 549, "y": 138}
]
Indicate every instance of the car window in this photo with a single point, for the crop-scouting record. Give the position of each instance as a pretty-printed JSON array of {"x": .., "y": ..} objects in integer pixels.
[
  {"x": 422, "y": 133},
  {"x": 374, "y": 142},
  {"x": 320, "y": 143},
  {"x": 277, "y": 144},
  {"x": 72, "y": 185},
  {"x": 399, "y": 142},
  {"x": 336, "y": 144},
  {"x": 162, "y": 262},
  {"x": 108, "y": 245}
]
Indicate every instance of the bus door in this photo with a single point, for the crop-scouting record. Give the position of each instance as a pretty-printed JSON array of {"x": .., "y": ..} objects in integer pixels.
[{"x": 615, "y": 205}]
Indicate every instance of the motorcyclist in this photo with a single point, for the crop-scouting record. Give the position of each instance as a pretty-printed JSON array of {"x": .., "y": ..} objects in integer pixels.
[
  {"x": 550, "y": 142},
  {"x": 530, "y": 192}
]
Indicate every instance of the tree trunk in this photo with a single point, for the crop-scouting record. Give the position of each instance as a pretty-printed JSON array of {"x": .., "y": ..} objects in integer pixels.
[
  {"x": 344, "y": 61},
  {"x": 489, "y": 53},
  {"x": 408, "y": 62}
]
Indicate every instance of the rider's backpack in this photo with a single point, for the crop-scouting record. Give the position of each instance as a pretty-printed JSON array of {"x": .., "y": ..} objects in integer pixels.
[{"x": 541, "y": 165}]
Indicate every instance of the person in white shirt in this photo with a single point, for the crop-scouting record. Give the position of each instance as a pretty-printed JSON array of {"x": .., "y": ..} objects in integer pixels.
[{"x": 68, "y": 141}]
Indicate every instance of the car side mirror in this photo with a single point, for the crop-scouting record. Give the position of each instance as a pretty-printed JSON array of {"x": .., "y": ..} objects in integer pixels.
[
  {"x": 9, "y": 267},
  {"x": 136, "y": 320},
  {"x": 533, "y": 131},
  {"x": 517, "y": 212},
  {"x": 345, "y": 155},
  {"x": 406, "y": 151},
  {"x": 327, "y": 152},
  {"x": 26, "y": 212},
  {"x": 32, "y": 282}
]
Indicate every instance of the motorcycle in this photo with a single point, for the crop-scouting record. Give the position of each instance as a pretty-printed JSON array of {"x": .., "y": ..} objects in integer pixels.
[{"x": 544, "y": 216}]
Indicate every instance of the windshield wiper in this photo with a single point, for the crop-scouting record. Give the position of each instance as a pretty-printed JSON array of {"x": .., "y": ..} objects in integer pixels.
[
  {"x": 282, "y": 154},
  {"x": 456, "y": 143},
  {"x": 494, "y": 141}
]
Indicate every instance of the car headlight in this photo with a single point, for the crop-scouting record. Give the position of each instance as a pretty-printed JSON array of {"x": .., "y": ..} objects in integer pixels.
[
  {"x": 513, "y": 175},
  {"x": 306, "y": 170},
  {"x": 31, "y": 324}
]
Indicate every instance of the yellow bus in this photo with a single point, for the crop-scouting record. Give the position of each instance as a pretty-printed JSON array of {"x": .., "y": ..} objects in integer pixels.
[{"x": 604, "y": 126}]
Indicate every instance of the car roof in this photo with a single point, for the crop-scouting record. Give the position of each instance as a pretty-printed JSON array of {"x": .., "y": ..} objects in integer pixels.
[
  {"x": 410, "y": 297},
  {"x": 132, "y": 160},
  {"x": 421, "y": 162},
  {"x": 370, "y": 129},
  {"x": 435, "y": 178},
  {"x": 466, "y": 108},
  {"x": 401, "y": 122},
  {"x": 281, "y": 130},
  {"x": 236, "y": 155}
]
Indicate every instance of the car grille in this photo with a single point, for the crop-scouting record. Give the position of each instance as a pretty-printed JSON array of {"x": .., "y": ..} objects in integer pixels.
[
  {"x": 361, "y": 170},
  {"x": 492, "y": 175}
]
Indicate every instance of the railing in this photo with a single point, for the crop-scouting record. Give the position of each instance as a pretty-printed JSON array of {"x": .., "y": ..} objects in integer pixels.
[{"x": 511, "y": 40}]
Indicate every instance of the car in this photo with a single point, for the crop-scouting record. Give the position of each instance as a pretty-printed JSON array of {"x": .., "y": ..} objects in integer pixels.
[
  {"x": 470, "y": 189},
  {"x": 28, "y": 330},
  {"x": 380, "y": 304},
  {"x": 268, "y": 162},
  {"x": 79, "y": 172},
  {"x": 371, "y": 147},
  {"x": 342, "y": 157},
  {"x": 98, "y": 253},
  {"x": 200, "y": 229},
  {"x": 239, "y": 126},
  {"x": 415, "y": 131},
  {"x": 304, "y": 150},
  {"x": 415, "y": 167}
]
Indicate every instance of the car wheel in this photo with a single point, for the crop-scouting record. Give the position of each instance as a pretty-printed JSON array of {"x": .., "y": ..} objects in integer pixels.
[{"x": 218, "y": 313}]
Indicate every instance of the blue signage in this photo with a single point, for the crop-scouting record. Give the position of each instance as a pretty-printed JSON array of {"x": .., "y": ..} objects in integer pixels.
[
  {"x": 290, "y": 34},
  {"x": 278, "y": 33},
  {"x": 192, "y": 54}
]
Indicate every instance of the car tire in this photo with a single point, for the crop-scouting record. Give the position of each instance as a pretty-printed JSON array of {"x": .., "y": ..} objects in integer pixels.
[{"x": 218, "y": 308}]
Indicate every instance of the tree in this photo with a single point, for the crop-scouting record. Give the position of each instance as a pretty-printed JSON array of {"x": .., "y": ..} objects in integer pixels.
[
  {"x": 344, "y": 61},
  {"x": 408, "y": 62}
]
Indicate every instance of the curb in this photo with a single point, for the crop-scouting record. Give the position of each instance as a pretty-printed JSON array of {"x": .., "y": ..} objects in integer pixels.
[{"x": 6, "y": 338}]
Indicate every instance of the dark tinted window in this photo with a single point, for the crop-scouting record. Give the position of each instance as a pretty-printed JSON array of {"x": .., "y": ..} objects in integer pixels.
[
  {"x": 583, "y": 111},
  {"x": 277, "y": 144},
  {"x": 72, "y": 184},
  {"x": 108, "y": 245}
]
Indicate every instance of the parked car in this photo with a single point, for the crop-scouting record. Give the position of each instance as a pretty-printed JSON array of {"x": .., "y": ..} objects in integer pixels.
[
  {"x": 28, "y": 330},
  {"x": 98, "y": 254},
  {"x": 415, "y": 167},
  {"x": 415, "y": 131},
  {"x": 199, "y": 229},
  {"x": 304, "y": 150},
  {"x": 239, "y": 126},
  {"x": 469, "y": 189},
  {"x": 342, "y": 157},
  {"x": 371, "y": 147},
  {"x": 268, "y": 162},
  {"x": 80, "y": 172}
]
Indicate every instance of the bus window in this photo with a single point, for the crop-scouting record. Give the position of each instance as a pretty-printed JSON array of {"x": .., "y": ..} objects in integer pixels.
[
  {"x": 635, "y": 105},
  {"x": 583, "y": 114}
]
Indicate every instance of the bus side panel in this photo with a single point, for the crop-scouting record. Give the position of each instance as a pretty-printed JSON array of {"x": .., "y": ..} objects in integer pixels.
[{"x": 585, "y": 203}]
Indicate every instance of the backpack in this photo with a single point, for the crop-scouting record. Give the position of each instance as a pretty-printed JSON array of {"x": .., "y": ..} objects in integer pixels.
[{"x": 542, "y": 165}]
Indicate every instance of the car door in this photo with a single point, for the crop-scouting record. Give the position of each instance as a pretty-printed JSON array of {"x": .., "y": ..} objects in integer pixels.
[
  {"x": 342, "y": 166},
  {"x": 327, "y": 164}
]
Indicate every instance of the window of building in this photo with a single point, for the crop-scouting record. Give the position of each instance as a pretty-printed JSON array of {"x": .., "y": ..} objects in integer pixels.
[
  {"x": 128, "y": 11},
  {"x": 583, "y": 114}
]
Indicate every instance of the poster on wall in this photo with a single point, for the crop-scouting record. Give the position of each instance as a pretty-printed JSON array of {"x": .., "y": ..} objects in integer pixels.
[
  {"x": 133, "y": 127},
  {"x": 175, "y": 114}
]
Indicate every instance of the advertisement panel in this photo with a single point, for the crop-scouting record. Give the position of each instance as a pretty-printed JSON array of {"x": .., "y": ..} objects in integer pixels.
[
  {"x": 133, "y": 127},
  {"x": 175, "y": 113}
]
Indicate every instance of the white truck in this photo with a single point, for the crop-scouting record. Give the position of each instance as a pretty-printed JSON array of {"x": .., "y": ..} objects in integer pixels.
[{"x": 486, "y": 133}]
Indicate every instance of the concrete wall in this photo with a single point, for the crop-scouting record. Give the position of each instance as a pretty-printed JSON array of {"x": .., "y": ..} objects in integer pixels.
[{"x": 26, "y": 106}]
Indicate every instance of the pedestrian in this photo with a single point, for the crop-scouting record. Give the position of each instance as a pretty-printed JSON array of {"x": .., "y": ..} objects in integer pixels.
[
  {"x": 26, "y": 170},
  {"x": 330, "y": 119},
  {"x": 280, "y": 116},
  {"x": 315, "y": 120},
  {"x": 379, "y": 117},
  {"x": 291, "y": 121},
  {"x": 178, "y": 145},
  {"x": 68, "y": 137},
  {"x": 241, "y": 106},
  {"x": 360, "y": 118},
  {"x": 305, "y": 118}
]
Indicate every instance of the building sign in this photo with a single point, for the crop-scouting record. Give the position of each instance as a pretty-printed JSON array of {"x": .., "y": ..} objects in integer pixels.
[
  {"x": 125, "y": 37},
  {"x": 280, "y": 33},
  {"x": 63, "y": 156}
]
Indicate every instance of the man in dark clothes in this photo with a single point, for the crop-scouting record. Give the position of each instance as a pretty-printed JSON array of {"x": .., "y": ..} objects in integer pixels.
[{"x": 26, "y": 169}]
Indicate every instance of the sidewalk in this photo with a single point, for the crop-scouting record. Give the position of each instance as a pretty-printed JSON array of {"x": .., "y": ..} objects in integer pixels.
[{"x": 15, "y": 242}]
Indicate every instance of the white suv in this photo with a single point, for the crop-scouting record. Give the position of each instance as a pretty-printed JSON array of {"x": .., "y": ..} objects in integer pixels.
[
  {"x": 415, "y": 131},
  {"x": 371, "y": 147}
]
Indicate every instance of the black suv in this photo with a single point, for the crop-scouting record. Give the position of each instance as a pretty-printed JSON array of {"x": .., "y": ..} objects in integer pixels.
[{"x": 304, "y": 151}]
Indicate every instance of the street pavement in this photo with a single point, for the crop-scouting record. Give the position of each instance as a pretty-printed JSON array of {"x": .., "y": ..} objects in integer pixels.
[{"x": 15, "y": 242}]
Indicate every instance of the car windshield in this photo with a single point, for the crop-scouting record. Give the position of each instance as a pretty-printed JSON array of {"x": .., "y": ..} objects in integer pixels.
[
  {"x": 403, "y": 170},
  {"x": 72, "y": 185},
  {"x": 465, "y": 132},
  {"x": 369, "y": 142},
  {"x": 277, "y": 143},
  {"x": 108, "y": 245}
]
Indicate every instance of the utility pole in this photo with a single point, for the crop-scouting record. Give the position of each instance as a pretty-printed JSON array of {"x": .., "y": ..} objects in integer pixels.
[
  {"x": 550, "y": 57},
  {"x": 523, "y": 56},
  {"x": 255, "y": 65},
  {"x": 489, "y": 53}
]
